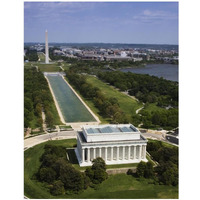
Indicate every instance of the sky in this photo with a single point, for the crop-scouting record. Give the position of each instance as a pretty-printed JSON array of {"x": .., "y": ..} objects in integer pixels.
[{"x": 107, "y": 22}]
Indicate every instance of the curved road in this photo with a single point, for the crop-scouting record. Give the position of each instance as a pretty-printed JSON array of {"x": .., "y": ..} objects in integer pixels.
[{"x": 32, "y": 141}]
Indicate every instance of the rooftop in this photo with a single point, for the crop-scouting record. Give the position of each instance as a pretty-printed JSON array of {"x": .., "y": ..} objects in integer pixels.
[
  {"x": 110, "y": 132},
  {"x": 110, "y": 129}
]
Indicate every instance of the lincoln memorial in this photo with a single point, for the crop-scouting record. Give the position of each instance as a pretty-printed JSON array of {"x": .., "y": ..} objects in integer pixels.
[{"x": 116, "y": 144}]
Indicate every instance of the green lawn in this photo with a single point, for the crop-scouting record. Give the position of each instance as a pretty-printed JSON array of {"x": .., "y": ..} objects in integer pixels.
[
  {"x": 65, "y": 66},
  {"x": 152, "y": 107},
  {"x": 127, "y": 104},
  {"x": 44, "y": 67},
  {"x": 29, "y": 64},
  {"x": 41, "y": 56},
  {"x": 119, "y": 186},
  {"x": 49, "y": 67}
]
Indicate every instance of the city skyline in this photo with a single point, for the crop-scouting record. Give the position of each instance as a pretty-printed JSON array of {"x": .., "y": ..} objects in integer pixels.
[{"x": 102, "y": 22}]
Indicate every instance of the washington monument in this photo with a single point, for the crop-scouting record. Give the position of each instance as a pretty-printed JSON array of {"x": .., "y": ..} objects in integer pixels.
[{"x": 46, "y": 48}]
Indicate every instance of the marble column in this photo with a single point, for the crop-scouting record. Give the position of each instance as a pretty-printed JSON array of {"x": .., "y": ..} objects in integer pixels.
[
  {"x": 140, "y": 151},
  {"x": 88, "y": 155},
  {"x": 105, "y": 153},
  {"x": 134, "y": 153},
  {"x": 144, "y": 152},
  {"x": 94, "y": 153},
  {"x": 99, "y": 151},
  {"x": 123, "y": 153},
  {"x": 117, "y": 153},
  {"x": 83, "y": 155},
  {"x": 111, "y": 154},
  {"x": 129, "y": 148}
]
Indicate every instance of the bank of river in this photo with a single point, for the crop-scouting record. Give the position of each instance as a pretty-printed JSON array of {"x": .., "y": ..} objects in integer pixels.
[
  {"x": 167, "y": 71},
  {"x": 71, "y": 107}
]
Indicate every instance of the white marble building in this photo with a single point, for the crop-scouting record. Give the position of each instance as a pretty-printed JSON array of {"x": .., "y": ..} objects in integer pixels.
[{"x": 116, "y": 144}]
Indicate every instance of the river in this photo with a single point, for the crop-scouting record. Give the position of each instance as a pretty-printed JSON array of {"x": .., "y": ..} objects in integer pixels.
[{"x": 167, "y": 71}]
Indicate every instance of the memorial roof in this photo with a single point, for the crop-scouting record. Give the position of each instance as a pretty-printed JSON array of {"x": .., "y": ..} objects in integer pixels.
[{"x": 111, "y": 129}]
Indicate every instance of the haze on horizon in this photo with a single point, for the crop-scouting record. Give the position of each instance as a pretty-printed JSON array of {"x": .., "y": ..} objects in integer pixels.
[{"x": 102, "y": 22}]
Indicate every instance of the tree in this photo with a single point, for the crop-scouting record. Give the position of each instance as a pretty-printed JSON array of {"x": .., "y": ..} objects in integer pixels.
[
  {"x": 98, "y": 163},
  {"x": 149, "y": 171},
  {"x": 49, "y": 119},
  {"x": 58, "y": 188},
  {"x": 71, "y": 178},
  {"x": 89, "y": 173},
  {"x": 168, "y": 173},
  {"x": 97, "y": 173},
  {"x": 86, "y": 180},
  {"x": 47, "y": 174},
  {"x": 141, "y": 169},
  {"x": 100, "y": 175}
]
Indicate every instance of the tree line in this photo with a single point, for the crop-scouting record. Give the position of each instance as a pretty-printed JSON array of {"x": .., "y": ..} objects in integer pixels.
[
  {"x": 31, "y": 55},
  {"x": 108, "y": 107},
  {"x": 61, "y": 177},
  {"x": 166, "y": 172},
  {"x": 168, "y": 119},
  {"x": 148, "y": 89},
  {"x": 37, "y": 97}
]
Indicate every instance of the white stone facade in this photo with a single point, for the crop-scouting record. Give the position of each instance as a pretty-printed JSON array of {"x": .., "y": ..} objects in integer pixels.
[{"x": 116, "y": 144}]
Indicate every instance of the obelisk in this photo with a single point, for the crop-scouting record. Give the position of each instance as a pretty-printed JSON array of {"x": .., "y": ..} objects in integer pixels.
[{"x": 46, "y": 48}]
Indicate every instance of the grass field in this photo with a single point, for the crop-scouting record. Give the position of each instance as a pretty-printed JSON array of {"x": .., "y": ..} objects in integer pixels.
[
  {"x": 127, "y": 104},
  {"x": 65, "y": 66},
  {"x": 44, "y": 67},
  {"x": 41, "y": 56},
  {"x": 119, "y": 186},
  {"x": 49, "y": 67},
  {"x": 152, "y": 107}
]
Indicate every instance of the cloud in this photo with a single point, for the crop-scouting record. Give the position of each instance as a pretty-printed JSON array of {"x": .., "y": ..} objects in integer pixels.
[
  {"x": 148, "y": 16},
  {"x": 54, "y": 11}
]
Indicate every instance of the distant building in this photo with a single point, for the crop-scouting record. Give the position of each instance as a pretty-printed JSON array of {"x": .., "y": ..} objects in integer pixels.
[
  {"x": 58, "y": 52},
  {"x": 116, "y": 144},
  {"x": 117, "y": 58},
  {"x": 137, "y": 59},
  {"x": 91, "y": 57}
]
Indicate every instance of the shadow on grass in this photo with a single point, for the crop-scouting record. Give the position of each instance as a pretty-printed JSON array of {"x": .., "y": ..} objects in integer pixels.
[{"x": 72, "y": 156}]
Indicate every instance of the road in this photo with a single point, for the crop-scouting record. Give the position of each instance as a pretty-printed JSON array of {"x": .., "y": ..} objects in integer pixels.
[
  {"x": 160, "y": 135},
  {"x": 30, "y": 142}
]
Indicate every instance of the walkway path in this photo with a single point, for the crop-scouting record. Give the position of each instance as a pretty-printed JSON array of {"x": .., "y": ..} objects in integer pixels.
[
  {"x": 138, "y": 110},
  {"x": 61, "y": 68},
  {"x": 37, "y": 68}
]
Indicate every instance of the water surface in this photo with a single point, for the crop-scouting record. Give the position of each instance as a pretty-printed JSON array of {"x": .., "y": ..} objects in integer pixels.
[
  {"x": 167, "y": 71},
  {"x": 71, "y": 107}
]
